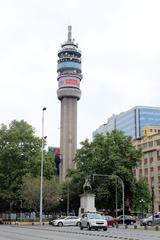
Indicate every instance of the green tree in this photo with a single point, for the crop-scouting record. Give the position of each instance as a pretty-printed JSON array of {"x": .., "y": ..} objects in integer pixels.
[
  {"x": 20, "y": 155},
  {"x": 110, "y": 154},
  {"x": 141, "y": 193},
  {"x": 31, "y": 194}
]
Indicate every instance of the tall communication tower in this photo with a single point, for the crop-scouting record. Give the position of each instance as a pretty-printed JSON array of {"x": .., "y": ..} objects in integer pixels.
[{"x": 69, "y": 78}]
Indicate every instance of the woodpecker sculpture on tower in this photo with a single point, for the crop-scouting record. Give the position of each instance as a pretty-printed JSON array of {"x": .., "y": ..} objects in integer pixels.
[{"x": 69, "y": 78}]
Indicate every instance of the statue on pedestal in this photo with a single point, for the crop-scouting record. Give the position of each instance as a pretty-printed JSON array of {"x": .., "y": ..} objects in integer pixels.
[
  {"x": 87, "y": 199},
  {"x": 87, "y": 188}
]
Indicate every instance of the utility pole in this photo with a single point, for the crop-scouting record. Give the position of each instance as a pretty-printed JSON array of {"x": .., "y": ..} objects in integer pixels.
[
  {"x": 152, "y": 187},
  {"x": 21, "y": 206},
  {"x": 142, "y": 205},
  {"x": 68, "y": 198},
  {"x": 116, "y": 199},
  {"x": 42, "y": 159}
]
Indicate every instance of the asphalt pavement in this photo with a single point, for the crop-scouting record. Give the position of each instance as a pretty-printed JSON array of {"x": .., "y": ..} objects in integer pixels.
[{"x": 48, "y": 232}]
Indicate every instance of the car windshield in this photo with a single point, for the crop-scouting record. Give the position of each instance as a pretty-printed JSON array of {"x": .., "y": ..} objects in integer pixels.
[{"x": 95, "y": 216}]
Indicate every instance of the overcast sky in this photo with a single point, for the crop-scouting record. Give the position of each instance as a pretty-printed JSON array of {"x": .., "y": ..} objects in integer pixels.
[{"x": 120, "y": 44}]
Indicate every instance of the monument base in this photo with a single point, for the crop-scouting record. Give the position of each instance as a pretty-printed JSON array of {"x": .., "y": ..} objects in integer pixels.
[{"x": 87, "y": 203}]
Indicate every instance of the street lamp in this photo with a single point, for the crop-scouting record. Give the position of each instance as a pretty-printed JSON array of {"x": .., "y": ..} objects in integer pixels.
[
  {"x": 41, "y": 185},
  {"x": 152, "y": 188},
  {"x": 21, "y": 206},
  {"x": 142, "y": 205},
  {"x": 116, "y": 199},
  {"x": 68, "y": 198}
]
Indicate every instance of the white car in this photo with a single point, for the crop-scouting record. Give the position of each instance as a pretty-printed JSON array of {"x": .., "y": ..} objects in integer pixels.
[
  {"x": 67, "y": 221},
  {"x": 93, "y": 220}
]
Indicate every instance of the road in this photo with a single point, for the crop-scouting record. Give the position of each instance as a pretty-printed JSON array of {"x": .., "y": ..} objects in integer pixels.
[{"x": 13, "y": 232}]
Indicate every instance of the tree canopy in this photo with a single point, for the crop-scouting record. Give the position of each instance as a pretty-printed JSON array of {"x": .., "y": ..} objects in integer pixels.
[
  {"x": 112, "y": 155},
  {"x": 141, "y": 193},
  {"x": 20, "y": 156},
  {"x": 31, "y": 193}
]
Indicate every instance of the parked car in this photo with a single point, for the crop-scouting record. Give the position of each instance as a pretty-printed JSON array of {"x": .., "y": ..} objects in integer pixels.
[
  {"x": 110, "y": 220},
  {"x": 1, "y": 221},
  {"x": 93, "y": 220},
  {"x": 127, "y": 219},
  {"x": 149, "y": 221},
  {"x": 52, "y": 219},
  {"x": 67, "y": 221}
]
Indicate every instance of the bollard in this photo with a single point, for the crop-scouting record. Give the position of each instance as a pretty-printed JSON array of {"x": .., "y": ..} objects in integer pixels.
[
  {"x": 145, "y": 227},
  {"x": 126, "y": 226},
  {"x": 32, "y": 223},
  {"x": 43, "y": 223},
  {"x": 135, "y": 226},
  {"x": 156, "y": 228},
  {"x": 117, "y": 226}
]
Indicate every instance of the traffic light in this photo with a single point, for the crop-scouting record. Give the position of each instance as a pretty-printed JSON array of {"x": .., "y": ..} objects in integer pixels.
[
  {"x": 54, "y": 153},
  {"x": 57, "y": 159}
]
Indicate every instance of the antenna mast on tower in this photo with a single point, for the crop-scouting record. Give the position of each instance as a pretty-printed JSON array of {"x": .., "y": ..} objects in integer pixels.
[{"x": 69, "y": 33}]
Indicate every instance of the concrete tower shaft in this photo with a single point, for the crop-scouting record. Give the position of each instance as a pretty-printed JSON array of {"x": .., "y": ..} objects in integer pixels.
[{"x": 69, "y": 78}]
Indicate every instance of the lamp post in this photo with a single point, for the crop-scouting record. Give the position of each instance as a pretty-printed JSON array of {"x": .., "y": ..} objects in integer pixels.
[
  {"x": 116, "y": 199},
  {"x": 152, "y": 188},
  {"x": 142, "y": 205},
  {"x": 21, "y": 206},
  {"x": 60, "y": 201},
  {"x": 41, "y": 185},
  {"x": 68, "y": 198}
]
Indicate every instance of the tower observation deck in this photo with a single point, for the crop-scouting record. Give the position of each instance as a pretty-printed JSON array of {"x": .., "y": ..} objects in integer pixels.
[{"x": 69, "y": 78}]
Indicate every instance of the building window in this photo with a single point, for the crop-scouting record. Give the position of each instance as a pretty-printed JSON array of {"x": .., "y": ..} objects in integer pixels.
[
  {"x": 145, "y": 155},
  {"x": 151, "y": 159},
  {"x": 158, "y": 142},
  {"x": 150, "y": 154},
  {"x": 151, "y": 171},
  {"x": 158, "y": 168},
  {"x": 144, "y": 145},
  {"x": 152, "y": 181},
  {"x": 146, "y": 171},
  {"x": 150, "y": 130},
  {"x": 150, "y": 144},
  {"x": 145, "y": 161},
  {"x": 158, "y": 155}
]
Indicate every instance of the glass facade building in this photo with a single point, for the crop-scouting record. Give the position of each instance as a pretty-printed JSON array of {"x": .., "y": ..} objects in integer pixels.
[{"x": 132, "y": 121}]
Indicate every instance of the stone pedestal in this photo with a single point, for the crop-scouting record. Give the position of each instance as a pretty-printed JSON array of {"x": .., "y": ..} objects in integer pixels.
[{"x": 87, "y": 203}]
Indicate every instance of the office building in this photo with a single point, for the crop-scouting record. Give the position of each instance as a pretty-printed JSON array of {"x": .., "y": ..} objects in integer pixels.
[{"x": 132, "y": 122}]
